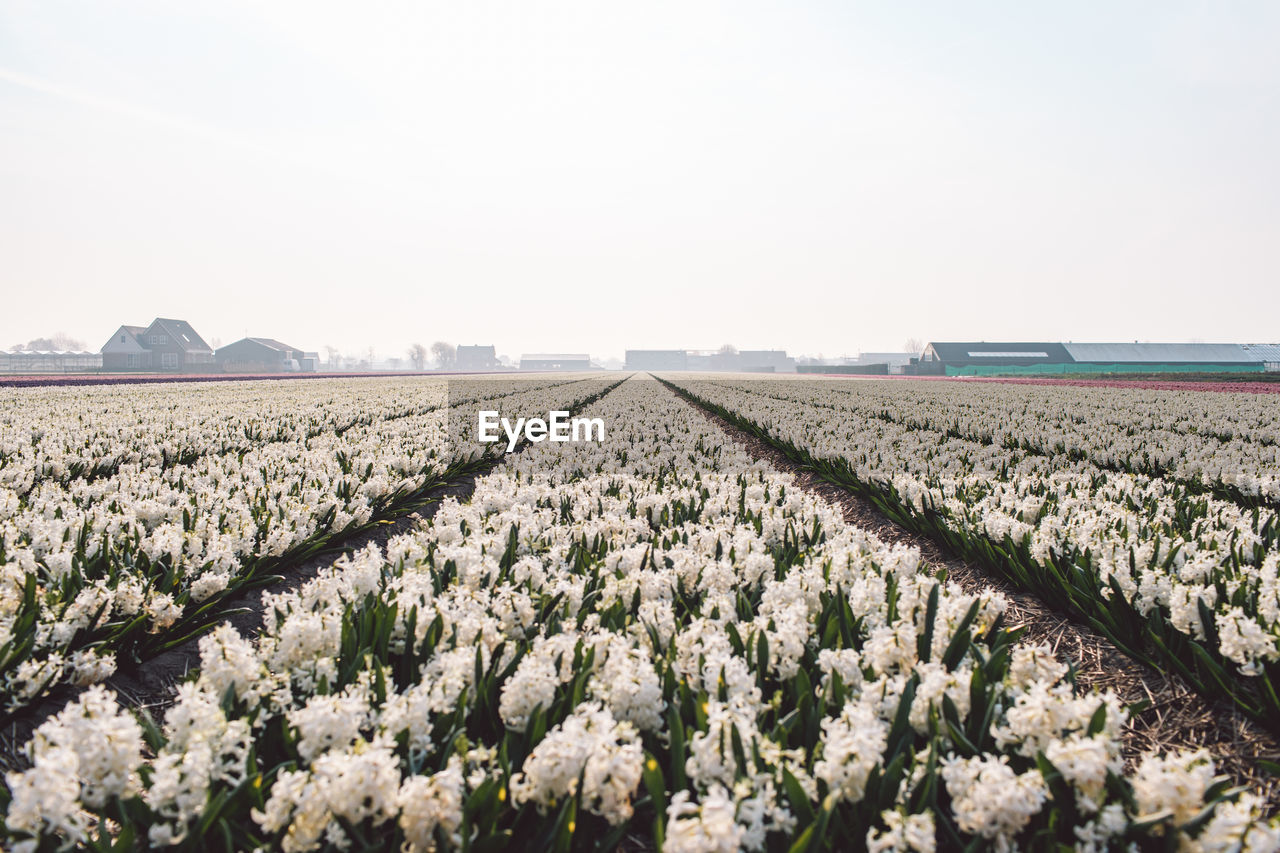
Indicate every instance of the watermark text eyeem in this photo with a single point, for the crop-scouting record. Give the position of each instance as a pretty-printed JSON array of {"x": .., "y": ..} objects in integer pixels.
[{"x": 558, "y": 426}]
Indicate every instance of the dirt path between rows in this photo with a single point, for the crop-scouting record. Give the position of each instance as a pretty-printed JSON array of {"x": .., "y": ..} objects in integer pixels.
[{"x": 1176, "y": 717}]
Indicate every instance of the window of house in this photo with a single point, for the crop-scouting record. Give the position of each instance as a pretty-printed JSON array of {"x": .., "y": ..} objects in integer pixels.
[
  {"x": 133, "y": 359},
  {"x": 168, "y": 359},
  {"x": 122, "y": 339}
]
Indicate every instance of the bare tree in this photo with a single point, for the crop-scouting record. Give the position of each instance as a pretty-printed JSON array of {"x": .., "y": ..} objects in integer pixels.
[
  {"x": 443, "y": 353},
  {"x": 394, "y": 362},
  {"x": 418, "y": 356},
  {"x": 335, "y": 357},
  {"x": 728, "y": 349},
  {"x": 914, "y": 345},
  {"x": 369, "y": 357},
  {"x": 61, "y": 340},
  {"x": 57, "y": 341}
]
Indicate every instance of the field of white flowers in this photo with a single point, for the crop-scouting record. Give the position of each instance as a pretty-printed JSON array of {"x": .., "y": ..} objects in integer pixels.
[
  {"x": 1150, "y": 515},
  {"x": 654, "y": 641},
  {"x": 129, "y": 514}
]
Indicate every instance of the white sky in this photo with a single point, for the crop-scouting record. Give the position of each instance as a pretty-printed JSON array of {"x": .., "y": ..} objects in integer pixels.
[{"x": 591, "y": 176}]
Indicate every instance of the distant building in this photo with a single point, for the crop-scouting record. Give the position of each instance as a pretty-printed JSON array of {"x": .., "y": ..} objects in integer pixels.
[
  {"x": 869, "y": 369},
  {"x": 699, "y": 360},
  {"x": 1269, "y": 353},
  {"x": 49, "y": 361},
  {"x": 893, "y": 362},
  {"x": 264, "y": 355},
  {"x": 987, "y": 358},
  {"x": 890, "y": 358},
  {"x": 744, "y": 361},
  {"x": 476, "y": 358},
  {"x": 166, "y": 345},
  {"x": 657, "y": 359},
  {"x": 555, "y": 361},
  {"x": 764, "y": 361}
]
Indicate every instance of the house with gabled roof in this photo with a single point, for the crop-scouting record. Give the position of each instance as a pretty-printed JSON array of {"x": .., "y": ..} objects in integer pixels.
[
  {"x": 476, "y": 357},
  {"x": 167, "y": 345}
]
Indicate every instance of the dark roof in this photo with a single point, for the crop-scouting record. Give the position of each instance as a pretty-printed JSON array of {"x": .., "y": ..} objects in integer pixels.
[
  {"x": 245, "y": 346},
  {"x": 1000, "y": 352},
  {"x": 1147, "y": 353},
  {"x": 273, "y": 344},
  {"x": 183, "y": 335},
  {"x": 1027, "y": 353},
  {"x": 1265, "y": 352},
  {"x": 134, "y": 330}
]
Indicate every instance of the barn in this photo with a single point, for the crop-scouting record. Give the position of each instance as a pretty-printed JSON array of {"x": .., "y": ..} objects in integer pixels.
[
  {"x": 263, "y": 355},
  {"x": 987, "y": 358}
]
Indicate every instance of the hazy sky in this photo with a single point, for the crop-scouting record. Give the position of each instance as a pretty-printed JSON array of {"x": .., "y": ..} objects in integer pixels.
[{"x": 590, "y": 176}]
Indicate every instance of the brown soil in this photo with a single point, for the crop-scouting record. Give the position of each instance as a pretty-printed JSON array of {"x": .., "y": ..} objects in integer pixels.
[{"x": 1176, "y": 717}]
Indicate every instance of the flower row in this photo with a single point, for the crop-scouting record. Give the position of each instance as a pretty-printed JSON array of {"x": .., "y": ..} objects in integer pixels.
[
  {"x": 1180, "y": 578},
  {"x": 652, "y": 634},
  {"x": 100, "y": 569}
]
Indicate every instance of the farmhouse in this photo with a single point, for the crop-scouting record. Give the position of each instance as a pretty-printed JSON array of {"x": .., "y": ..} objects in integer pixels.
[
  {"x": 264, "y": 355},
  {"x": 985, "y": 358},
  {"x": 476, "y": 358},
  {"x": 166, "y": 345}
]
